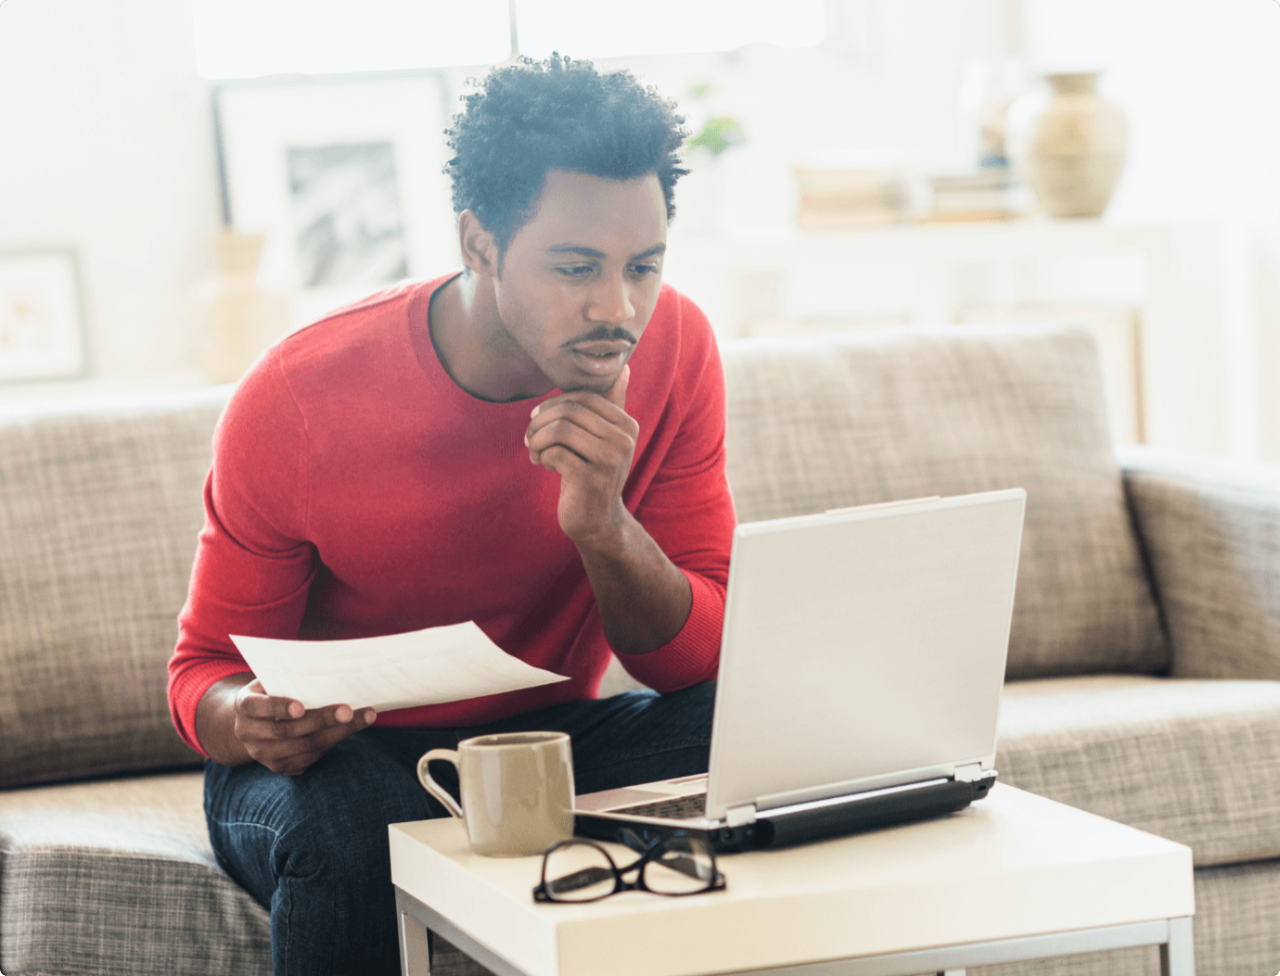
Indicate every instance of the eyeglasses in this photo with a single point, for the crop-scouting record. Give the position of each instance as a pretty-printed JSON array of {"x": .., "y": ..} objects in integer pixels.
[{"x": 581, "y": 870}]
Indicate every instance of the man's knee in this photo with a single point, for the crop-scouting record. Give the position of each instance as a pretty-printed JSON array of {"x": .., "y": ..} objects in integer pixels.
[
  {"x": 340, "y": 824},
  {"x": 332, "y": 818}
]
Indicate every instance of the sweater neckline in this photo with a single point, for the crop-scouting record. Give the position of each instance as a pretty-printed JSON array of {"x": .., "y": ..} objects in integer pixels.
[{"x": 488, "y": 412}]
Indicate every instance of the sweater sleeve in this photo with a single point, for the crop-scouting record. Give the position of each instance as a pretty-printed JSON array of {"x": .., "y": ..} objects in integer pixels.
[
  {"x": 253, "y": 569},
  {"x": 688, "y": 510}
]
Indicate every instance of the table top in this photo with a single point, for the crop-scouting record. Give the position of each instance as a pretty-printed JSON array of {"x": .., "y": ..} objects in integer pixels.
[{"x": 1011, "y": 865}]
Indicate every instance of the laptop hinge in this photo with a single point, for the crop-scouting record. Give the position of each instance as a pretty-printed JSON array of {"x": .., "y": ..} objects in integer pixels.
[
  {"x": 737, "y": 816},
  {"x": 969, "y": 772}
]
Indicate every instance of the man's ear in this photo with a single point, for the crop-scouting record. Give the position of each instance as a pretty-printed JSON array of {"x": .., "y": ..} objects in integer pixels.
[{"x": 479, "y": 248}]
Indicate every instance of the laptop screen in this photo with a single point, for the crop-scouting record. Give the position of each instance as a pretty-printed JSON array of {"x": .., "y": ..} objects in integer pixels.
[{"x": 863, "y": 648}]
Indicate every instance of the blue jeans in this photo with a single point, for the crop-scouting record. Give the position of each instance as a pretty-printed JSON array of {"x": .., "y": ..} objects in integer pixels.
[{"x": 313, "y": 848}]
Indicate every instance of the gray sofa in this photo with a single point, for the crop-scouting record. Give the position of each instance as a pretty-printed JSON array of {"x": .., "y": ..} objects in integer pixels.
[{"x": 1144, "y": 664}]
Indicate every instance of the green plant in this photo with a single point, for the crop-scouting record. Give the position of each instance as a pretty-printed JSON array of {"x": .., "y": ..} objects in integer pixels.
[{"x": 718, "y": 135}]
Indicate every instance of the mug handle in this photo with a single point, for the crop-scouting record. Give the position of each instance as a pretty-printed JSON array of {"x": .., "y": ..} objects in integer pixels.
[{"x": 434, "y": 788}]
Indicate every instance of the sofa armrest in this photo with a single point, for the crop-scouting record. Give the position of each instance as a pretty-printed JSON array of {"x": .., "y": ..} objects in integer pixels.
[{"x": 1211, "y": 531}]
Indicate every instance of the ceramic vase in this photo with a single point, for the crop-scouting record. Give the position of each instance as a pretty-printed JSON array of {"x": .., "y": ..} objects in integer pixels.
[
  {"x": 236, "y": 317},
  {"x": 1068, "y": 143}
]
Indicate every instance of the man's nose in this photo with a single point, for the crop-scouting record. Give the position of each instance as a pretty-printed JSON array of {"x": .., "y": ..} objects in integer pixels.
[{"x": 611, "y": 300}]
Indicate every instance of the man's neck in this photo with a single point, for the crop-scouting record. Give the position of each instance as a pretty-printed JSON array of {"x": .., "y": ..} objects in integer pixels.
[{"x": 474, "y": 348}]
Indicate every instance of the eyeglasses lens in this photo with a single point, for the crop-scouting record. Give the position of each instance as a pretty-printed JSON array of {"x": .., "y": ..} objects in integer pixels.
[
  {"x": 578, "y": 872},
  {"x": 683, "y": 866}
]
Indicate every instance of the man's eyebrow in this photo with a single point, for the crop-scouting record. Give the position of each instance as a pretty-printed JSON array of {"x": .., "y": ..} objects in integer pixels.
[
  {"x": 651, "y": 253},
  {"x": 586, "y": 252},
  {"x": 591, "y": 252}
]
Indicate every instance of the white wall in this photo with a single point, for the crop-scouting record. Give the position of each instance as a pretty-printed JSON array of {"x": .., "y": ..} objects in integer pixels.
[{"x": 106, "y": 146}]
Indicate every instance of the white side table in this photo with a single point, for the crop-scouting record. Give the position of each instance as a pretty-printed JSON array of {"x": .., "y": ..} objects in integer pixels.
[{"x": 1013, "y": 877}]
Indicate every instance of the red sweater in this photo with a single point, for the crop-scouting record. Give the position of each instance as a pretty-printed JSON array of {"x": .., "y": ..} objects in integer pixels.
[{"x": 356, "y": 490}]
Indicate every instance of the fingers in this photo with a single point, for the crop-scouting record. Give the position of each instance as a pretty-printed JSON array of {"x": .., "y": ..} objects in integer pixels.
[
  {"x": 253, "y": 701},
  {"x": 595, "y": 429},
  {"x": 583, "y": 404},
  {"x": 590, "y": 441},
  {"x": 574, "y": 427},
  {"x": 617, "y": 394},
  {"x": 563, "y": 441},
  {"x": 562, "y": 460},
  {"x": 294, "y": 756},
  {"x": 315, "y": 720},
  {"x": 285, "y": 737}
]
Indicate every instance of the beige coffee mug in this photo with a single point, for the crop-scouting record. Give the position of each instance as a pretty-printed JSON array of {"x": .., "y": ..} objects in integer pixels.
[{"x": 517, "y": 790}]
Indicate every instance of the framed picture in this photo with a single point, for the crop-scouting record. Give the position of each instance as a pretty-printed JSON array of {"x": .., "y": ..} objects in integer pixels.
[
  {"x": 41, "y": 316},
  {"x": 344, "y": 177}
]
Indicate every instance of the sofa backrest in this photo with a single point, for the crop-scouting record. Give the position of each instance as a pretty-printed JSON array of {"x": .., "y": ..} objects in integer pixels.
[
  {"x": 880, "y": 415},
  {"x": 100, "y": 508}
]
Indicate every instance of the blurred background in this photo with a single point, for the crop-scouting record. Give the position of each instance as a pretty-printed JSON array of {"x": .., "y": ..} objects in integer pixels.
[{"x": 182, "y": 181}]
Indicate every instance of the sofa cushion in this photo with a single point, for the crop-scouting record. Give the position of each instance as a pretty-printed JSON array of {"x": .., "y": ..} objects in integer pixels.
[
  {"x": 1211, "y": 530},
  {"x": 1195, "y": 761},
  {"x": 88, "y": 893},
  {"x": 171, "y": 800},
  {"x": 99, "y": 509},
  {"x": 882, "y": 415}
]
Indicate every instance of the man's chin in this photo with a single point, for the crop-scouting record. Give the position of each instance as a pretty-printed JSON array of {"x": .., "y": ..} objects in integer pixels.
[
  {"x": 592, "y": 386},
  {"x": 582, "y": 372},
  {"x": 573, "y": 380}
]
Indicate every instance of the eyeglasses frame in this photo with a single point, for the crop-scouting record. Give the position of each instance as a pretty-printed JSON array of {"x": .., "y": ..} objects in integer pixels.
[{"x": 540, "y": 893}]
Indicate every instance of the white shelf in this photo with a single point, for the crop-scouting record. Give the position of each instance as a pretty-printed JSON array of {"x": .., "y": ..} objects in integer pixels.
[{"x": 1201, "y": 371}]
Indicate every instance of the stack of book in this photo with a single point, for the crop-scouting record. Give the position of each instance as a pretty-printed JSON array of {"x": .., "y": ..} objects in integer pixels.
[
  {"x": 853, "y": 197},
  {"x": 991, "y": 194}
]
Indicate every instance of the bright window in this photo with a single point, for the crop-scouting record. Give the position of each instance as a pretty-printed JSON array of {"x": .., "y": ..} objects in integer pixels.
[{"x": 251, "y": 38}]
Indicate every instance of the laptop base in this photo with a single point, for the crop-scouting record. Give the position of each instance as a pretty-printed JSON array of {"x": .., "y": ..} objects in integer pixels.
[{"x": 782, "y": 829}]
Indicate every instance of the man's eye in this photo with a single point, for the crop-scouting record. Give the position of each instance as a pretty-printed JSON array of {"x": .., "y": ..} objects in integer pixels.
[
  {"x": 640, "y": 270},
  {"x": 574, "y": 271}
]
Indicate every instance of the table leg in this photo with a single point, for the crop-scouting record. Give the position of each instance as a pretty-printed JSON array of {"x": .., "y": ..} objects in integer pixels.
[
  {"x": 1177, "y": 956},
  {"x": 415, "y": 950}
]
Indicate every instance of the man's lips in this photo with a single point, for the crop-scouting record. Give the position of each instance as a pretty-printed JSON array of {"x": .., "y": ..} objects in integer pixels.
[
  {"x": 601, "y": 357},
  {"x": 603, "y": 347}
]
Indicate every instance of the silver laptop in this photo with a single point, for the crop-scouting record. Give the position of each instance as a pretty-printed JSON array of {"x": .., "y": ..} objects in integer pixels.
[{"x": 861, "y": 668}]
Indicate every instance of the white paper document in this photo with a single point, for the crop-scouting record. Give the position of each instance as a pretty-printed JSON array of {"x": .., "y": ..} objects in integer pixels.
[{"x": 424, "y": 667}]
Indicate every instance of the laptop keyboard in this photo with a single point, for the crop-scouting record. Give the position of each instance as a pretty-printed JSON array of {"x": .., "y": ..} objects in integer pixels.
[{"x": 677, "y": 808}]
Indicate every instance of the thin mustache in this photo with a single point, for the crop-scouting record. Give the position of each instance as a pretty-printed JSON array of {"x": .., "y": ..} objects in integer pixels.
[{"x": 602, "y": 334}]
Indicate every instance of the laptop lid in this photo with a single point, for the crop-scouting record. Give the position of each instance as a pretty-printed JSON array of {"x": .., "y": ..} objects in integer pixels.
[{"x": 863, "y": 648}]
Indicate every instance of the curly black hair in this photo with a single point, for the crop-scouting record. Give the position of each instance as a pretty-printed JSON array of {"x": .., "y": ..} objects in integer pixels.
[{"x": 534, "y": 116}]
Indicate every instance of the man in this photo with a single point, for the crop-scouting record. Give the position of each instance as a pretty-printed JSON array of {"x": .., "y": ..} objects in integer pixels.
[{"x": 498, "y": 445}]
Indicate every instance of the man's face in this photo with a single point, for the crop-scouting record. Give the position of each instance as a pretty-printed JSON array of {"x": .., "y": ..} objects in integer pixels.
[{"x": 581, "y": 278}]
